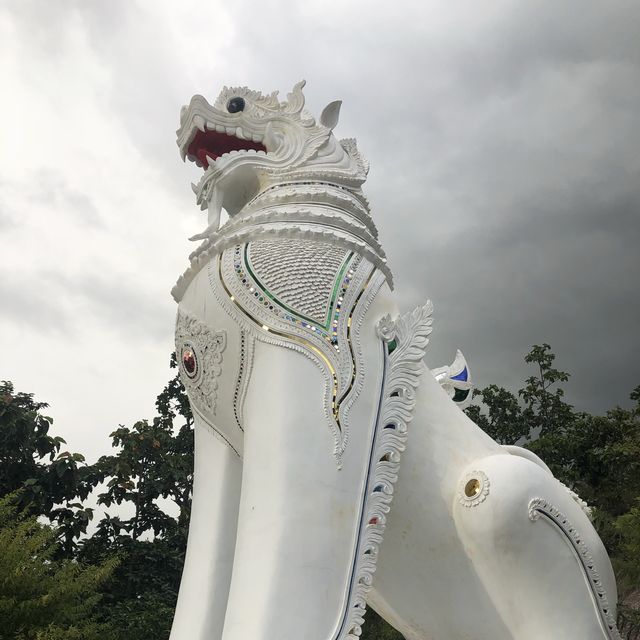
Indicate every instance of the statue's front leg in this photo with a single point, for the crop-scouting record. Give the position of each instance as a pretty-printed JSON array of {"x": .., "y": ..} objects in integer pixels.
[
  {"x": 212, "y": 352},
  {"x": 212, "y": 536},
  {"x": 299, "y": 513},
  {"x": 308, "y": 528},
  {"x": 310, "y": 518}
]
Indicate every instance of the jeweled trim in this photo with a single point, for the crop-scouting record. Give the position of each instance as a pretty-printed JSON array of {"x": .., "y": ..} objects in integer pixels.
[
  {"x": 401, "y": 375},
  {"x": 271, "y": 329},
  {"x": 538, "y": 507},
  {"x": 245, "y": 366},
  {"x": 354, "y": 325},
  {"x": 248, "y": 293}
]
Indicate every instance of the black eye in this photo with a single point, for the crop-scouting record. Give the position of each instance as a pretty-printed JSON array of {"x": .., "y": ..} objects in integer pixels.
[{"x": 235, "y": 104}]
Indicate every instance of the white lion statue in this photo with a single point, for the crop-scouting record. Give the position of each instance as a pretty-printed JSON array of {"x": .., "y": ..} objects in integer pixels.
[{"x": 333, "y": 469}]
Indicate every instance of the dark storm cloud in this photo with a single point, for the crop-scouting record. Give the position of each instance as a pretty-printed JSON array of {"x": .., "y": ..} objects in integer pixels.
[{"x": 530, "y": 203}]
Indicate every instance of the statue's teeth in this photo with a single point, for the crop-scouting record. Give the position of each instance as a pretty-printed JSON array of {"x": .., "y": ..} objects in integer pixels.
[
  {"x": 240, "y": 134},
  {"x": 256, "y": 138},
  {"x": 210, "y": 160},
  {"x": 183, "y": 154},
  {"x": 231, "y": 131},
  {"x": 220, "y": 128},
  {"x": 200, "y": 123}
]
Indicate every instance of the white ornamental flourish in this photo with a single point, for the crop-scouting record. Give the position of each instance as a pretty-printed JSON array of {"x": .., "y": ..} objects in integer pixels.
[
  {"x": 541, "y": 508},
  {"x": 207, "y": 347},
  {"x": 405, "y": 342}
]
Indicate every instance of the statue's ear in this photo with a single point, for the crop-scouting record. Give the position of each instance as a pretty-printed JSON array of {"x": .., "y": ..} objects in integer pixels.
[{"x": 330, "y": 114}]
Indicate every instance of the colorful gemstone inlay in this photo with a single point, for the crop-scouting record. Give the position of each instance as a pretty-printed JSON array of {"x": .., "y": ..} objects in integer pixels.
[{"x": 189, "y": 363}]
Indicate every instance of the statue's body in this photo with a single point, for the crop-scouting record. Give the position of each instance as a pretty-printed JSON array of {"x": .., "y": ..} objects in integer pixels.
[{"x": 313, "y": 408}]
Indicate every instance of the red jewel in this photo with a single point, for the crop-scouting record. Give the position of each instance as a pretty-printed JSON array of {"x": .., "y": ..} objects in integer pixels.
[{"x": 189, "y": 361}]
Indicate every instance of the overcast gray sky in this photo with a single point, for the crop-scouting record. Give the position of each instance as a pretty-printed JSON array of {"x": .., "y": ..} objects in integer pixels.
[{"x": 504, "y": 139}]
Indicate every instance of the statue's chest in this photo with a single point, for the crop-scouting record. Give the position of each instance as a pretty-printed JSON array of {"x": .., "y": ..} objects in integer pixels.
[{"x": 302, "y": 294}]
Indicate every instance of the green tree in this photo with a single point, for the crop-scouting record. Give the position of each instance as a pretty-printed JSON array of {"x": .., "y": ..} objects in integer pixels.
[
  {"x": 151, "y": 467},
  {"x": 545, "y": 411},
  {"x": 627, "y": 567},
  {"x": 46, "y": 481},
  {"x": 503, "y": 416},
  {"x": 153, "y": 460},
  {"x": 140, "y": 597},
  {"x": 375, "y": 628},
  {"x": 43, "y": 597}
]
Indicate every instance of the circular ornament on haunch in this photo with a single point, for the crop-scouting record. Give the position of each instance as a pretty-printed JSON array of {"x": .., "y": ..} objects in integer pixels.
[{"x": 473, "y": 489}]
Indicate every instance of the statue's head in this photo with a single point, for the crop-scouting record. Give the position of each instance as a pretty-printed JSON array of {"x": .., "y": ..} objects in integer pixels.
[{"x": 246, "y": 141}]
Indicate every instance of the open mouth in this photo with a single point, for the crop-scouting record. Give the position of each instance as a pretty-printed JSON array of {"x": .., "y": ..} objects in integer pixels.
[{"x": 209, "y": 145}]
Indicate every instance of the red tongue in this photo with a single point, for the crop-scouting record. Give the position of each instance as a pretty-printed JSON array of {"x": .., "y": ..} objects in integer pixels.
[{"x": 202, "y": 154}]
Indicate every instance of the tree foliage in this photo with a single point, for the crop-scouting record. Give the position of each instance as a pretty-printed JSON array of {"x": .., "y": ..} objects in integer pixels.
[
  {"x": 43, "y": 597},
  {"x": 150, "y": 471},
  {"x": 44, "y": 480}
]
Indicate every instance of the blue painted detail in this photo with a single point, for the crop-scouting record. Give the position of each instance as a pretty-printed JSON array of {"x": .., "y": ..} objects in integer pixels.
[{"x": 463, "y": 375}]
